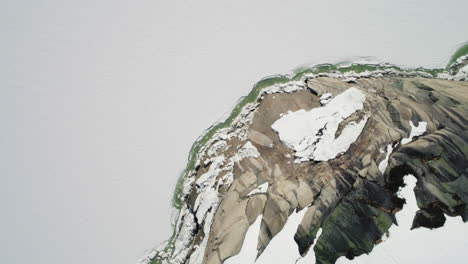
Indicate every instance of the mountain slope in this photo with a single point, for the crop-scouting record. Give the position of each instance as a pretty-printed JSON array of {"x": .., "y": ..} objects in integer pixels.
[{"x": 324, "y": 152}]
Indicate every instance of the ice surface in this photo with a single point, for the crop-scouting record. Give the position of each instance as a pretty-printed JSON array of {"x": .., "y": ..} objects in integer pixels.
[{"x": 310, "y": 257}]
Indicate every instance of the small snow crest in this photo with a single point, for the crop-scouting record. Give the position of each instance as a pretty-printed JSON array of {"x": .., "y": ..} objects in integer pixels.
[
  {"x": 416, "y": 131},
  {"x": 326, "y": 98},
  {"x": 311, "y": 134},
  {"x": 260, "y": 189},
  {"x": 384, "y": 163}
]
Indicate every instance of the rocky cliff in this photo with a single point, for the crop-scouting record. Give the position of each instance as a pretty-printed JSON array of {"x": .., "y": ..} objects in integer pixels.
[{"x": 324, "y": 153}]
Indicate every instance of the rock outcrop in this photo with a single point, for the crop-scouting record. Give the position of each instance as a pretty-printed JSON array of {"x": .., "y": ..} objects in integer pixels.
[{"x": 335, "y": 146}]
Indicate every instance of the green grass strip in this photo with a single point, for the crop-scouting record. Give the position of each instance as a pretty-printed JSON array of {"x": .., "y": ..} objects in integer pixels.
[
  {"x": 462, "y": 51},
  {"x": 194, "y": 151}
]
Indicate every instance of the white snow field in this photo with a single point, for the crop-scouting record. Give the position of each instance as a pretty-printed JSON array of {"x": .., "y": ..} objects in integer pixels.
[
  {"x": 311, "y": 134},
  {"x": 282, "y": 248}
]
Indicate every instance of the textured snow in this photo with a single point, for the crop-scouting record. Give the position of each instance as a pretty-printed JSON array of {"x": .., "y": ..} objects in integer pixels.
[
  {"x": 181, "y": 245},
  {"x": 260, "y": 189},
  {"x": 288, "y": 87},
  {"x": 422, "y": 245},
  {"x": 462, "y": 74},
  {"x": 384, "y": 163},
  {"x": 329, "y": 147},
  {"x": 197, "y": 256},
  {"x": 207, "y": 200},
  {"x": 205, "y": 206},
  {"x": 464, "y": 69},
  {"x": 415, "y": 131},
  {"x": 217, "y": 148},
  {"x": 247, "y": 151},
  {"x": 311, "y": 134},
  {"x": 227, "y": 179},
  {"x": 326, "y": 98}
]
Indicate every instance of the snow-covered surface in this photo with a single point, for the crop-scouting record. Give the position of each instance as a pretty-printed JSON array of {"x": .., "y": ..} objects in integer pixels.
[
  {"x": 207, "y": 200},
  {"x": 404, "y": 246},
  {"x": 217, "y": 148},
  {"x": 319, "y": 145},
  {"x": 418, "y": 130},
  {"x": 311, "y": 134},
  {"x": 310, "y": 257},
  {"x": 326, "y": 98},
  {"x": 260, "y": 189},
  {"x": 387, "y": 70},
  {"x": 205, "y": 207},
  {"x": 462, "y": 74},
  {"x": 384, "y": 163},
  {"x": 464, "y": 69},
  {"x": 181, "y": 245},
  {"x": 248, "y": 251},
  {"x": 415, "y": 131},
  {"x": 288, "y": 87},
  {"x": 282, "y": 248},
  {"x": 459, "y": 61},
  {"x": 248, "y": 150}
]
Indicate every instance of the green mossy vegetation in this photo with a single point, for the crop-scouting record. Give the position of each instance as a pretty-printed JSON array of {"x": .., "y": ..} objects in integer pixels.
[
  {"x": 461, "y": 51},
  {"x": 196, "y": 147}
]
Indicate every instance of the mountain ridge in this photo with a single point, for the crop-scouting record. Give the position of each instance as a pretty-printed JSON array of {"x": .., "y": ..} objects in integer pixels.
[{"x": 233, "y": 159}]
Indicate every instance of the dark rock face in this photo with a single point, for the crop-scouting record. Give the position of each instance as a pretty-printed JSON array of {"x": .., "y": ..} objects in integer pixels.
[
  {"x": 362, "y": 218},
  {"x": 439, "y": 160},
  {"x": 413, "y": 125}
]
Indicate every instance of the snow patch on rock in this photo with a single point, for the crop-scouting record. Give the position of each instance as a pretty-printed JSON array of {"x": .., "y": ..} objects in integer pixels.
[
  {"x": 311, "y": 134},
  {"x": 396, "y": 250},
  {"x": 260, "y": 189},
  {"x": 384, "y": 163},
  {"x": 247, "y": 151},
  {"x": 282, "y": 248},
  {"x": 326, "y": 98},
  {"x": 416, "y": 131}
]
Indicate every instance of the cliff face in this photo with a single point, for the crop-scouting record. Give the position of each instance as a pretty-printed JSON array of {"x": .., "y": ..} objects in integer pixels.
[{"x": 325, "y": 154}]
